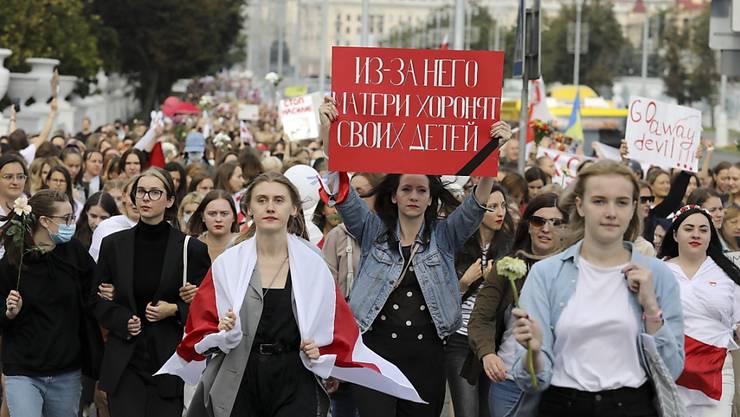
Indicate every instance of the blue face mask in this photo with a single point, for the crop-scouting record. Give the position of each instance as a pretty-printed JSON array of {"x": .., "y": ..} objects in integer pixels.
[{"x": 64, "y": 235}]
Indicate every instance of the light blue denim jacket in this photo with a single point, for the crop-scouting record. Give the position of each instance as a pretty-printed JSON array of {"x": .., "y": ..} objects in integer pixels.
[
  {"x": 434, "y": 263},
  {"x": 552, "y": 282}
]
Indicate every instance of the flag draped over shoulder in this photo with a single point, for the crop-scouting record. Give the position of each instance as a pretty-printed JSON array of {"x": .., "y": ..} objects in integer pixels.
[{"x": 322, "y": 315}]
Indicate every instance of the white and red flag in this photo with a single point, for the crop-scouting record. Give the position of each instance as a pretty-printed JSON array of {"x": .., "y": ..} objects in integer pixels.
[{"x": 322, "y": 315}]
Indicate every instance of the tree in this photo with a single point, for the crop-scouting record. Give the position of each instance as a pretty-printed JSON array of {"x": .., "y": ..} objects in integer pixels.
[
  {"x": 605, "y": 43},
  {"x": 60, "y": 29},
  {"x": 703, "y": 80},
  {"x": 164, "y": 40},
  {"x": 675, "y": 74}
]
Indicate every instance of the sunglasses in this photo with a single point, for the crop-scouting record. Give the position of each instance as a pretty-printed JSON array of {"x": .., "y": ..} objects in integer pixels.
[
  {"x": 537, "y": 221},
  {"x": 647, "y": 199}
]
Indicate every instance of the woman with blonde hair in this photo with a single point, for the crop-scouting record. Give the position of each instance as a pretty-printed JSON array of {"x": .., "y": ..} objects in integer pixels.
[
  {"x": 188, "y": 205},
  {"x": 578, "y": 308}
]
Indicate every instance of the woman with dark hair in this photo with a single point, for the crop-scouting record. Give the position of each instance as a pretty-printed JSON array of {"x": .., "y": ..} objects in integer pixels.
[
  {"x": 49, "y": 335},
  {"x": 711, "y": 201},
  {"x": 326, "y": 218},
  {"x": 112, "y": 167},
  {"x": 146, "y": 315},
  {"x": 490, "y": 331},
  {"x": 406, "y": 297},
  {"x": 72, "y": 160},
  {"x": 251, "y": 165},
  {"x": 230, "y": 179},
  {"x": 710, "y": 295},
  {"x": 132, "y": 162},
  {"x": 214, "y": 222},
  {"x": 201, "y": 183},
  {"x": 92, "y": 171},
  {"x": 722, "y": 180},
  {"x": 517, "y": 188},
  {"x": 179, "y": 178},
  {"x": 100, "y": 206},
  {"x": 473, "y": 262},
  {"x": 229, "y": 156},
  {"x": 585, "y": 312},
  {"x": 60, "y": 180},
  {"x": 536, "y": 179}
]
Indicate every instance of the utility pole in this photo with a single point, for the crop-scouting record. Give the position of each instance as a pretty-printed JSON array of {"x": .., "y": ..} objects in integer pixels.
[
  {"x": 645, "y": 40},
  {"x": 365, "y": 20},
  {"x": 324, "y": 44},
  {"x": 459, "y": 25},
  {"x": 577, "y": 58}
]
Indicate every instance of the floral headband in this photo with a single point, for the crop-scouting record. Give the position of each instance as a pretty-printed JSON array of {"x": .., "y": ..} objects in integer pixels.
[{"x": 673, "y": 216}]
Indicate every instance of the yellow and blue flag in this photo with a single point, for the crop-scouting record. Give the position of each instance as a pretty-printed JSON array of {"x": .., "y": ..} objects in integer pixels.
[{"x": 575, "y": 129}]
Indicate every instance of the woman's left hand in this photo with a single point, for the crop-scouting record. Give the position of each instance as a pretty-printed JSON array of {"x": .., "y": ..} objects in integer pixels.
[
  {"x": 310, "y": 349},
  {"x": 640, "y": 281},
  {"x": 161, "y": 311},
  {"x": 502, "y": 131}
]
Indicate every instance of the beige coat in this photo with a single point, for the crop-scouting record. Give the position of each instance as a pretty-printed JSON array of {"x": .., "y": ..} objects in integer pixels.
[{"x": 341, "y": 253}]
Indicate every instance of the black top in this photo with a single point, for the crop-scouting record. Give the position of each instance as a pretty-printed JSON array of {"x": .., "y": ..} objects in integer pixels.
[
  {"x": 405, "y": 315},
  {"x": 277, "y": 323},
  {"x": 149, "y": 247},
  {"x": 44, "y": 338}
]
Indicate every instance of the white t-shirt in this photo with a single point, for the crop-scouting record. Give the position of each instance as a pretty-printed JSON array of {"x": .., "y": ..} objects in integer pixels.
[
  {"x": 108, "y": 227},
  {"x": 595, "y": 345},
  {"x": 28, "y": 153}
]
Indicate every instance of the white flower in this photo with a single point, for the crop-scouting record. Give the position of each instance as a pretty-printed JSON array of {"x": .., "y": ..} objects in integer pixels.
[
  {"x": 206, "y": 101},
  {"x": 21, "y": 207},
  {"x": 511, "y": 268},
  {"x": 222, "y": 140},
  {"x": 273, "y": 78}
]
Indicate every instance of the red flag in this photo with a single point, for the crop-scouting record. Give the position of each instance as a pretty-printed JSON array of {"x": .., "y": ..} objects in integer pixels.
[
  {"x": 156, "y": 157},
  {"x": 703, "y": 368}
]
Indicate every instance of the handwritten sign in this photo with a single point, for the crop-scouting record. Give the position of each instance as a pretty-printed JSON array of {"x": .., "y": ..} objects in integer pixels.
[
  {"x": 663, "y": 134},
  {"x": 299, "y": 118},
  {"x": 415, "y": 111},
  {"x": 566, "y": 164},
  {"x": 249, "y": 112}
]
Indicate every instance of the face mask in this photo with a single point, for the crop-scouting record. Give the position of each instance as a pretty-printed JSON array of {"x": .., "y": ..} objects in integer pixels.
[
  {"x": 186, "y": 218},
  {"x": 64, "y": 235},
  {"x": 212, "y": 161},
  {"x": 334, "y": 218},
  {"x": 195, "y": 157}
]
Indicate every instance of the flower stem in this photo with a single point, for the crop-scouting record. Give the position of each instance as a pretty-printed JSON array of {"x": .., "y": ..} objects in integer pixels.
[
  {"x": 20, "y": 267},
  {"x": 530, "y": 354},
  {"x": 530, "y": 365}
]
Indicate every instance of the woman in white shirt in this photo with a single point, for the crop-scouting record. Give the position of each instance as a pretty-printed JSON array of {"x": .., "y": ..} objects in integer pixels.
[
  {"x": 710, "y": 295},
  {"x": 585, "y": 311}
]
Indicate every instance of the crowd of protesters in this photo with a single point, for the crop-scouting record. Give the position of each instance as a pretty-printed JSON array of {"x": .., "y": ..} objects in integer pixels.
[{"x": 96, "y": 293}]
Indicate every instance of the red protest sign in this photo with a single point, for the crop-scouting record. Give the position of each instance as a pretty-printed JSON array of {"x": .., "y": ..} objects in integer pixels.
[{"x": 415, "y": 111}]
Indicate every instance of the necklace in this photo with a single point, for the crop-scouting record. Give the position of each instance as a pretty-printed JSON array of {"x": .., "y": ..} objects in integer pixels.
[{"x": 272, "y": 281}]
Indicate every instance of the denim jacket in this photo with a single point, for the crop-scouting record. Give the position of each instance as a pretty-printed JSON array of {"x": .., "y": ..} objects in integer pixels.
[
  {"x": 434, "y": 263},
  {"x": 552, "y": 282}
]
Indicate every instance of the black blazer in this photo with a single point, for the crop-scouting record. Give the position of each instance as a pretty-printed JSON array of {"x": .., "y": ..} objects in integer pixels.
[{"x": 116, "y": 266}]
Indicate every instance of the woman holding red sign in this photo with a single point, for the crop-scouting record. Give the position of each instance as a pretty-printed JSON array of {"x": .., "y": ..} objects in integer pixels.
[{"x": 406, "y": 298}]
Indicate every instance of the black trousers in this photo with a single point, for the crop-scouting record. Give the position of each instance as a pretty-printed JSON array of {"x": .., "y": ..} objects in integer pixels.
[
  {"x": 622, "y": 402},
  {"x": 137, "y": 396},
  {"x": 422, "y": 363}
]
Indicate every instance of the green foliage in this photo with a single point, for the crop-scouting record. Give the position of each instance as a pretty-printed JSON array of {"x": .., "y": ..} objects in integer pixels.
[
  {"x": 58, "y": 29},
  {"x": 164, "y": 40},
  {"x": 690, "y": 69},
  {"x": 605, "y": 42}
]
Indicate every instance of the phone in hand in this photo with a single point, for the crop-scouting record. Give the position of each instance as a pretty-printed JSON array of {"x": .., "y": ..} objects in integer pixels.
[{"x": 16, "y": 104}]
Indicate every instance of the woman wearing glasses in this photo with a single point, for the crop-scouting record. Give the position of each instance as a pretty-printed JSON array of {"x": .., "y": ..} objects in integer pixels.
[
  {"x": 585, "y": 311},
  {"x": 146, "y": 316},
  {"x": 50, "y": 337},
  {"x": 647, "y": 198},
  {"x": 13, "y": 175},
  {"x": 490, "y": 330}
]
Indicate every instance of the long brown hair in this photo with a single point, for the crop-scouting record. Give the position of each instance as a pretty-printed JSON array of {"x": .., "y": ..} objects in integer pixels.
[
  {"x": 576, "y": 224},
  {"x": 296, "y": 224},
  {"x": 196, "y": 224}
]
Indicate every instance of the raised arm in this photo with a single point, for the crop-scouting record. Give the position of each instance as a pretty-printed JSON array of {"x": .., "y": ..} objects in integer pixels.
[
  {"x": 327, "y": 113},
  {"x": 46, "y": 130}
]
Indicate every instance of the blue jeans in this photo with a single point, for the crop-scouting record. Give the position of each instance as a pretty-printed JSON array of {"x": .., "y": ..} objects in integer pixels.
[
  {"x": 503, "y": 397},
  {"x": 50, "y": 396}
]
